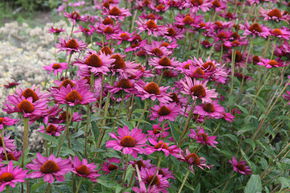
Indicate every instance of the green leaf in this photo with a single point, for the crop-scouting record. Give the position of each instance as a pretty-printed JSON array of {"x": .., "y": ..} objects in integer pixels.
[
  {"x": 35, "y": 186},
  {"x": 254, "y": 185},
  {"x": 285, "y": 183},
  {"x": 48, "y": 137}
]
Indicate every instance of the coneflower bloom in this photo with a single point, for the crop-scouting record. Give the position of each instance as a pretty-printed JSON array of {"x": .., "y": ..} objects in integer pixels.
[
  {"x": 151, "y": 16},
  {"x": 6, "y": 144},
  {"x": 56, "y": 68},
  {"x": 6, "y": 121},
  {"x": 165, "y": 112},
  {"x": 152, "y": 91},
  {"x": 49, "y": 168},
  {"x": 155, "y": 49},
  {"x": 84, "y": 169},
  {"x": 33, "y": 93},
  {"x": 25, "y": 106},
  {"x": 202, "y": 137},
  {"x": 12, "y": 155},
  {"x": 174, "y": 33},
  {"x": 122, "y": 36},
  {"x": 196, "y": 5},
  {"x": 218, "y": 5},
  {"x": 52, "y": 129},
  {"x": 110, "y": 165},
  {"x": 163, "y": 147},
  {"x": 74, "y": 16},
  {"x": 153, "y": 180},
  {"x": 107, "y": 30},
  {"x": 71, "y": 45},
  {"x": 10, "y": 176},
  {"x": 240, "y": 166},
  {"x": 73, "y": 95},
  {"x": 198, "y": 90},
  {"x": 96, "y": 63},
  {"x": 187, "y": 20},
  {"x": 151, "y": 27},
  {"x": 164, "y": 63},
  {"x": 55, "y": 30},
  {"x": 117, "y": 13},
  {"x": 281, "y": 33},
  {"x": 193, "y": 160},
  {"x": 86, "y": 31},
  {"x": 125, "y": 68},
  {"x": 159, "y": 7},
  {"x": 256, "y": 29},
  {"x": 210, "y": 110},
  {"x": 10, "y": 85},
  {"x": 158, "y": 131},
  {"x": 274, "y": 14},
  {"x": 270, "y": 63},
  {"x": 128, "y": 141},
  {"x": 123, "y": 84}
]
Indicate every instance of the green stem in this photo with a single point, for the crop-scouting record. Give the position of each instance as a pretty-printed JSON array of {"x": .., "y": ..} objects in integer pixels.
[
  {"x": 25, "y": 139},
  {"x": 184, "y": 180},
  {"x": 78, "y": 186}
]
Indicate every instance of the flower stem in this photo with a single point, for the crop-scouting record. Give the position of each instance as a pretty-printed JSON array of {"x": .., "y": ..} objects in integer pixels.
[
  {"x": 25, "y": 139},
  {"x": 184, "y": 180}
]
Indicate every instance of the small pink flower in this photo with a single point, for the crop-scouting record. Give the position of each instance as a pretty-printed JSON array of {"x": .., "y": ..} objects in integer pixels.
[
  {"x": 52, "y": 129},
  {"x": 193, "y": 160},
  {"x": 7, "y": 144},
  {"x": 97, "y": 64},
  {"x": 6, "y": 121},
  {"x": 162, "y": 146},
  {"x": 49, "y": 168},
  {"x": 240, "y": 166},
  {"x": 281, "y": 33},
  {"x": 55, "y": 30},
  {"x": 84, "y": 169},
  {"x": 270, "y": 63},
  {"x": 10, "y": 176},
  {"x": 153, "y": 91},
  {"x": 116, "y": 12},
  {"x": 158, "y": 131},
  {"x": 151, "y": 27},
  {"x": 71, "y": 45},
  {"x": 110, "y": 165},
  {"x": 198, "y": 90},
  {"x": 274, "y": 15},
  {"x": 12, "y": 155},
  {"x": 56, "y": 68},
  {"x": 202, "y": 137},
  {"x": 129, "y": 142},
  {"x": 78, "y": 95},
  {"x": 164, "y": 63},
  {"x": 210, "y": 110},
  {"x": 256, "y": 29},
  {"x": 165, "y": 112}
]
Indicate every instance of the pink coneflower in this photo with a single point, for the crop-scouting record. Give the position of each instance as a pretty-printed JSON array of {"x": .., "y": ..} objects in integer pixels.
[
  {"x": 73, "y": 95},
  {"x": 270, "y": 63},
  {"x": 164, "y": 63},
  {"x": 196, "y": 5},
  {"x": 151, "y": 16},
  {"x": 153, "y": 180},
  {"x": 202, "y": 137},
  {"x": 86, "y": 31},
  {"x": 151, "y": 27},
  {"x": 26, "y": 107},
  {"x": 163, "y": 147},
  {"x": 281, "y": 33},
  {"x": 107, "y": 30},
  {"x": 49, "y": 168},
  {"x": 155, "y": 49},
  {"x": 117, "y": 13},
  {"x": 229, "y": 117},
  {"x": 74, "y": 16},
  {"x": 158, "y": 131},
  {"x": 52, "y": 129},
  {"x": 10, "y": 176},
  {"x": 84, "y": 169},
  {"x": 71, "y": 45},
  {"x": 159, "y": 7},
  {"x": 122, "y": 36},
  {"x": 55, "y": 30},
  {"x": 56, "y": 68},
  {"x": 198, "y": 90},
  {"x": 240, "y": 166},
  {"x": 187, "y": 20},
  {"x": 110, "y": 165},
  {"x": 211, "y": 110},
  {"x": 128, "y": 141},
  {"x": 218, "y": 5},
  {"x": 6, "y": 121},
  {"x": 33, "y": 93},
  {"x": 228, "y": 15},
  {"x": 125, "y": 85},
  {"x": 152, "y": 91},
  {"x": 96, "y": 63},
  {"x": 193, "y": 160},
  {"x": 256, "y": 29},
  {"x": 274, "y": 14},
  {"x": 11, "y": 85},
  {"x": 174, "y": 33},
  {"x": 165, "y": 112},
  {"x": 12, "y": 155},
  {"x": 6, "y": 144}
]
